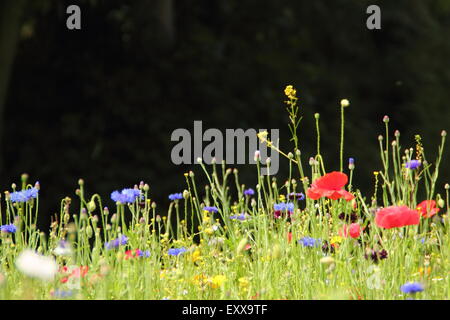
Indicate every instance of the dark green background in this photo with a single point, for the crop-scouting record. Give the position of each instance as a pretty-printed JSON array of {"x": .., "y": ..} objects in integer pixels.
[{"x": 101, "y": 103}]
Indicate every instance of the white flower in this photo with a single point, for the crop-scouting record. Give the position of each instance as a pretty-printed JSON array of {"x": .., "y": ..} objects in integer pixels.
[{"x": 35, "y": 265}]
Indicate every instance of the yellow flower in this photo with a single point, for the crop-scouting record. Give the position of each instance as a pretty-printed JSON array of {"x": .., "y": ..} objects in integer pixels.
[
  {"x": 282, "y": 197},
  {"x": 218, "y": 281},
  {"x": 290, "y": 92},
  {"x": 336, "y": 240},
  {"x": 196, "y": 255},
  {"x": 262, "y": 135}
]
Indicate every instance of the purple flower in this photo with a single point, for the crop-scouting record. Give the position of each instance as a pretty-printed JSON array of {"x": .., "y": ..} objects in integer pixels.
[
  {"x": 24, "y": 195},
  {"x": 175, "y": 196},
  {"x": 309, "y": 242},
  {"x": 412, "y": 287},
  {"x": 8, "y": 228},
  {"x": 238, "y": 217},
  {"x": 143, "y": 254},
  {"x": 249, "y": 192},
  {"x": 282, "y": 207},
  {"x": 176, "y": 251},
  {"x": 122, "y": 240},
  {"x": 126, "y": 195},
  {"x": 298, "y": 196},
  {"x": 412, "y": 164},
  {"x": 210, "y": 209}
]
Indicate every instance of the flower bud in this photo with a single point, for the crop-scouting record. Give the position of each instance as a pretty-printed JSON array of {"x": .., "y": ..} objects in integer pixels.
[
  {"x": 257, "y": 155},
  {"x": 345, "y": 103},
  {"x": 89, "y": 231},
  {"x": 91, "y": 206}
]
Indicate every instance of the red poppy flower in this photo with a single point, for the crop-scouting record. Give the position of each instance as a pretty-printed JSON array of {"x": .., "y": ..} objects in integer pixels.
[
  {"x": 331, "y": 186},
  {"x": 354, "y": 231},
  {"x": 289, "y": 236},
  {"x": 396, "y": 216},
  {"x": 131, "y": 254},
  {"x": 427, "y": 208}
]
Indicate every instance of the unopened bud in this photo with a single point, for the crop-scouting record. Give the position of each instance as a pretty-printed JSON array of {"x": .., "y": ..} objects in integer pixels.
[
  {"x": 89, "y": 231},
  {"x": 257, "y": 155},
  {"x": 91, "y": 206},
  {"x": 345, "y": 103}
]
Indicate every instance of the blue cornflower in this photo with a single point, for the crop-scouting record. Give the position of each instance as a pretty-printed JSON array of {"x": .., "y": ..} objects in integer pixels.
[
  {"x": 249, "y": 192},
  {"x": 122, "y": 240},
  {"x": 210, "y": 209},
  {"x": 144, "y": 254},
  {"x": 412, "y": 287},
  {"x": 283, "y": 206},
  {"x": 8, "y": 228},
  {"x": 24, "y": 195},
  {"x": 176, "y": 251},
  {"x": 126, "y": 195},
  {"x": 351, "y": 161},
  {"x": 175, "y": 196},
  {"x": 238, "y": 217},
  {"x": 412, "y": 164},
  {"x": 309, "y": 242},
  {"x": 299, "y": 196}
]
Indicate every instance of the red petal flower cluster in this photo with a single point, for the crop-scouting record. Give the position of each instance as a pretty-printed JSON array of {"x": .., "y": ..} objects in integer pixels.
[
  {"x": 354, "y": 231},
  {"x": 396, "y": 216},
  {"x": 427, "y": 208},
  {"x": 331, "y": 186}
]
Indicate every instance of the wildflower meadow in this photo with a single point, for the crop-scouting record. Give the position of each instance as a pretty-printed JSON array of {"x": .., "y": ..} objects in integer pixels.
[{"x": 311, "y": 235}]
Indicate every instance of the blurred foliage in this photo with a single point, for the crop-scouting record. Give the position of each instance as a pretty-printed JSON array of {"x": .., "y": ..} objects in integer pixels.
[{"x": 102, "y": 102}]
